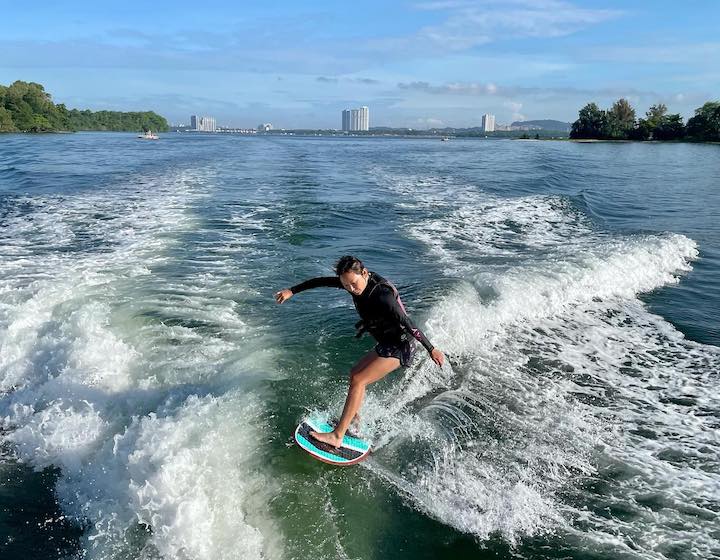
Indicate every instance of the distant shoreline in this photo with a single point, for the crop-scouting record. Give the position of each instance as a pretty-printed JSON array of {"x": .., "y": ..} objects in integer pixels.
[{"x": 293, "y": 134}]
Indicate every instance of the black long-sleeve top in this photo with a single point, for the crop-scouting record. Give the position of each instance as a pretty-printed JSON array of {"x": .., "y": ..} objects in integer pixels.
[{"x": 379, "y": 306}]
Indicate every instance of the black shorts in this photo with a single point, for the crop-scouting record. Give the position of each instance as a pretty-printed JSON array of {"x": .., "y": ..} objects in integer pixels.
[{"x": 403, "y": 351}]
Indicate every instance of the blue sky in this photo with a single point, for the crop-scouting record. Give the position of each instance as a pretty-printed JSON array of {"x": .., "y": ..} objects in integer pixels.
[{"x": 414, "y": 63}]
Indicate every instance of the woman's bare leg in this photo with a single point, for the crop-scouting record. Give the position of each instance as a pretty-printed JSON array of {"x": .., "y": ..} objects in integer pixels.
[
  {"x": 376, "y": 368},
  {"x": 361, "y": 364}
]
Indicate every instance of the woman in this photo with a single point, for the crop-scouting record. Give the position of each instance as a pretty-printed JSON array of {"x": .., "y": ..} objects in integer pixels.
[{"x": 383, "y": 315}]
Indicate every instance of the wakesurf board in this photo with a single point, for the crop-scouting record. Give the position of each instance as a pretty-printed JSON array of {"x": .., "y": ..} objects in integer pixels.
[{"x": 352, "y": 450}]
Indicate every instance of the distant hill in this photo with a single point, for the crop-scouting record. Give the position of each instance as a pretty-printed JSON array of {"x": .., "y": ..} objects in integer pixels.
[{"x": 545, "y": 124}]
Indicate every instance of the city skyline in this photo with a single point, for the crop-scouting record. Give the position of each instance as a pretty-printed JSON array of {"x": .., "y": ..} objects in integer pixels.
[
  {"x": 352, "y": 120},
  {"x": 417, "y": 64}
]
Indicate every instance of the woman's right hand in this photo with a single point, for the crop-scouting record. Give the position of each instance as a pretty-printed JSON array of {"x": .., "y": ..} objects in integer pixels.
[
  {"x": 437, "y": 357},
  {"x": 283, "y": 295}
]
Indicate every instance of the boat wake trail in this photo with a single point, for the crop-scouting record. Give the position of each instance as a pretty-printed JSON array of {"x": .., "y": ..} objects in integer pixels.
[
  {"x": 568, "y": 408},
  {"x": 125, "y": 366}
]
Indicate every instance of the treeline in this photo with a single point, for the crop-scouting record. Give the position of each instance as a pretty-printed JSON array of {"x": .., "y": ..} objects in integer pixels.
[
  {"x": 27, "y": 107},
  {"x": 620, "y": 123}
]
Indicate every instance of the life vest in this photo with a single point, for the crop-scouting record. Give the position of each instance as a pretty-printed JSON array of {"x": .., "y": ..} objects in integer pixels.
[{"x": 374, "y": 320}]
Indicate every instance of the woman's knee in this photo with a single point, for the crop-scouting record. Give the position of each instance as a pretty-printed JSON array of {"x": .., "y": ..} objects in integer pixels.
[{"x": 357, "y": 379}]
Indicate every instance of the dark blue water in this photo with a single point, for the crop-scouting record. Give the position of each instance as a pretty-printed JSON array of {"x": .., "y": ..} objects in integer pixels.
[{"x": 150, "y": 385}]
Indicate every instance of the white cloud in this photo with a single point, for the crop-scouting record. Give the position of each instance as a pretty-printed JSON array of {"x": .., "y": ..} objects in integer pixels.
[
  {"x": 429, "y": 122},
  {"x": 471, "y": 24},
  {"x": 474, "y": 89},
  {"x": 515, "y": 107}
]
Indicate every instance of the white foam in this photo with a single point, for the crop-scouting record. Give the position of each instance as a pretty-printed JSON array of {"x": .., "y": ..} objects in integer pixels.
[
  {"x": 614, "y": 270},
  {"x": 86, "y": 356},
  {"x": 58, "y": 435},
  {"x": 190, "y": 476},
  {"x": 561, "y": 376}
]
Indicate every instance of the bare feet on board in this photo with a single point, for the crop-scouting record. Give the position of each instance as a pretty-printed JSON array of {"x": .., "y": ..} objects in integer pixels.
[{"x": 331, "y": 438}]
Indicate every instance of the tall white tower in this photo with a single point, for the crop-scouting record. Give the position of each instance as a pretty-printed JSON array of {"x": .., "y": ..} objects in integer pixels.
[
  {"x": 488, "y": 123},
  {"x": 364, "y": 118},
  {"x": 354, "y": 119}
]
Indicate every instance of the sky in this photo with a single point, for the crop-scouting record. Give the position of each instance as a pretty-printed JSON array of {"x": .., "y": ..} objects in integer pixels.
[{"x": 417, "y": 64}]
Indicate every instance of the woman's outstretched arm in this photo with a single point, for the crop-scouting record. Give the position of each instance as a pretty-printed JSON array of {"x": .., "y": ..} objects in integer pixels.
[{"x": 321, "y": 282}]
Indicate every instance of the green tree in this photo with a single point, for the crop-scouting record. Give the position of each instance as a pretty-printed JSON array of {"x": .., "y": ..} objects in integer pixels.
[
  {"x": 21, "y": 113},
  {"x": 6, "y": 122},
  {"x": 41, "y": 124},
  {"x": 621, "y": 119},
  {"x": 670, "y": 127},
  {"x": 61, "y": 119},
  {"x": 653, "y": 117},
  {"x": 705, "y": 125},
  {"x": 30, "y": 106},
  {"x": 655, "y": 114},
  {"x": 658, "y": 125},
  {"x": 592, "y": 122}
]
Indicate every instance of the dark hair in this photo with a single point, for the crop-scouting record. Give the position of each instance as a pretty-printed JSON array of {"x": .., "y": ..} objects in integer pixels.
[{"x": 349, "y": 263}]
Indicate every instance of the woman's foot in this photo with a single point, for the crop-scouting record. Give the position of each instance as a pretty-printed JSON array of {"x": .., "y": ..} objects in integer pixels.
[{"x": 331, "y": 438}]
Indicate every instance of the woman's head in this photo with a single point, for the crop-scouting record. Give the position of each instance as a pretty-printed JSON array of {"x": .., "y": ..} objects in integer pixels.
[{"x": 352, "y": 273}]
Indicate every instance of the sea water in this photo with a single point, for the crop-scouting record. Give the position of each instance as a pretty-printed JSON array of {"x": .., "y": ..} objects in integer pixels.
[{"x": 150, "y": 385}]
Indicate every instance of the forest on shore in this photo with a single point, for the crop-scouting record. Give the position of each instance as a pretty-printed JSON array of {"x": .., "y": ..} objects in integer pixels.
[
  {"x": 621, "y": 123},
  {"x": 27, "y": 107}
]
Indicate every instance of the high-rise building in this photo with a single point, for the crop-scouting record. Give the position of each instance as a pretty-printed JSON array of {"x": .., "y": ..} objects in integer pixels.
[
  {"x": 208, "y": 124},
  {"x": 203, "y": 124},
  {"x": 488, "y": 123},
  {"x": 364, "y": 118},
  {"x": 356, "y": 119}
]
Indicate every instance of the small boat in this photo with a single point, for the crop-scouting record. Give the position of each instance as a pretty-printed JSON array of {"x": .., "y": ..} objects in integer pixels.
[
  {"x": 149, "y": 136},
  {"x": 444, "y": 139}
]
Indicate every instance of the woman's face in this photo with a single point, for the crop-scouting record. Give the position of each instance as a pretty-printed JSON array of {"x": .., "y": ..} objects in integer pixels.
[{"x": 353, "y": 282}]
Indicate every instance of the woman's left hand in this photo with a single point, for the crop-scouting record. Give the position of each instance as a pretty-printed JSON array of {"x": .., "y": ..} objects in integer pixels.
[
  {"x": 283, "y": 295},
  {"x": 437, "y": 357}
]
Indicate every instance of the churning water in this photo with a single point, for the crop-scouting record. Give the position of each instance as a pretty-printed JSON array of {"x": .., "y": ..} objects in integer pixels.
[{"x": 150, "y": 385}]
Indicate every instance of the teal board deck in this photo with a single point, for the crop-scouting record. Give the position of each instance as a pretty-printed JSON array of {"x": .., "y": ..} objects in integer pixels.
[{"x": 352, "y": 450}]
